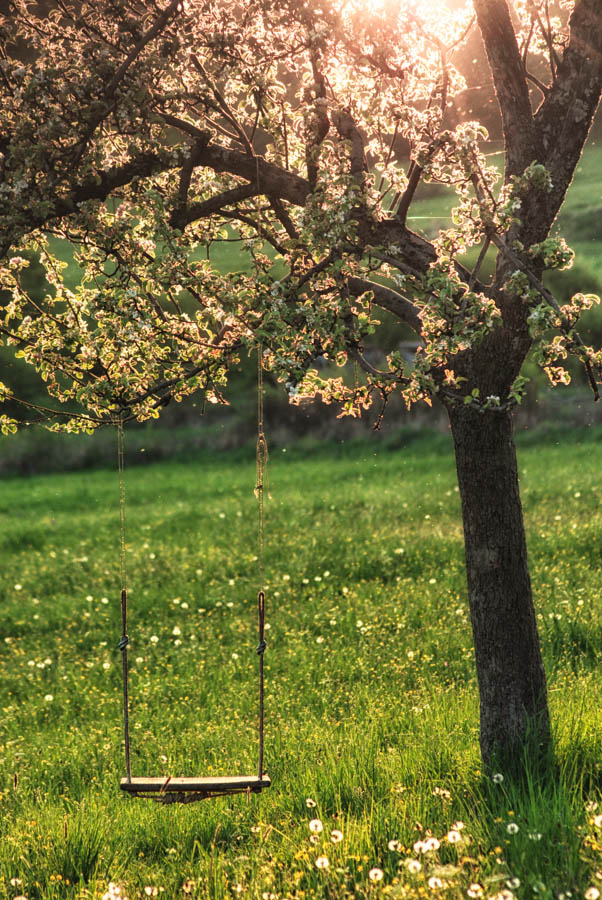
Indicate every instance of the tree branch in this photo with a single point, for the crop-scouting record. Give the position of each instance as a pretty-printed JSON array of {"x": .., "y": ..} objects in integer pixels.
[
  {"x": 348, "y": 130},
  {"x": 180, "y": 218},
  {"x": 388, "y": 299},
  {"x": 510, "y": 84},
  {"x": 115, "y": 81},
  {"x": 564, "y": 118},
  {"x": 565, "y": 325}
]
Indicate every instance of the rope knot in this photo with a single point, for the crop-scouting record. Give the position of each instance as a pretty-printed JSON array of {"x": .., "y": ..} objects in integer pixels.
[
  {"x": 123, "y": 642},
  {"x": 261, "y": 648}
]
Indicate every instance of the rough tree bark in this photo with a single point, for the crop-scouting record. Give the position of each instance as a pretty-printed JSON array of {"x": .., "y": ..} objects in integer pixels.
[{"x": 512, "y": 682}]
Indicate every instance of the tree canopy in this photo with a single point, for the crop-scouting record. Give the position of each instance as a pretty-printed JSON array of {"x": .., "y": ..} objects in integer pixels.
[{"x": 145, "y": 134}]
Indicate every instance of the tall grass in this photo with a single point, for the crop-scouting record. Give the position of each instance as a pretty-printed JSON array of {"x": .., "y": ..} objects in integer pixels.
[{"x": 372, "y": 707}]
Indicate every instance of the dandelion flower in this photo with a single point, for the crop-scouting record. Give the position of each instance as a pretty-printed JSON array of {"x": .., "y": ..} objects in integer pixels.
[
  {"x": 431, "y": 844},
  {"x": 322, "y": 862},
  {"x": 316, "y": 826},
  {"x": 511, "y": 827},
  {"x": 497, "y": 778},
  {"x": 592, "y": 893},
  {"x": 413, "y": 866},
  {"x": 336, "y": 836},
  {"x": 375, "y": 874},
  {"x": 434, "y": 883},
  {"x": 113, "y": 892}
]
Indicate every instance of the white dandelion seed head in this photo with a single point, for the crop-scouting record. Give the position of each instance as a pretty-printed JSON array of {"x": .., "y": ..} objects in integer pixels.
[
  {"x": 592, "y": 893},
  {"x": 310, "y": 803},
  {"x": 434, "y": 883},
  {"x": 453, "y": 837},
  {"x": 497, "y": 778},
  {"x": 431, "y": 844},
  {"x": 394, "y": 845},
  {"x": 322, "y": 862},
  {"x": 475, "y": 890},
  {"x": 598, "y": 821},
  {"x": 413, "y": 866},
  {"x": 316, "y": 826},
  {"x": 512, "y": 828},
  {"x": 375, "y": 874},
  {"x": 336, "y": 836}
]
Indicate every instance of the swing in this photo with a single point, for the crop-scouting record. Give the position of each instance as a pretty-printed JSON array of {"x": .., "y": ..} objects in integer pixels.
[{"x": 178, "y": 789}]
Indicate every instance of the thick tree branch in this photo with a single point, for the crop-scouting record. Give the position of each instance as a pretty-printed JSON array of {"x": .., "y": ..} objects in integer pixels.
[
  {"x": 388, "y": 299},
  {"x": 96, "y": 187},
  {"x": 348, "y": 130},
  {"x": 268, "y": 178},
  {"x": 511, "y": 87},
  {"x": 564, "y": 118},
  {"x": 180, "y": 218}
]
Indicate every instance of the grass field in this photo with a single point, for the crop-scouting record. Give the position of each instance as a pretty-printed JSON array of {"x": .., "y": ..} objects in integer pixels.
[{"x": 372, "y": 706}]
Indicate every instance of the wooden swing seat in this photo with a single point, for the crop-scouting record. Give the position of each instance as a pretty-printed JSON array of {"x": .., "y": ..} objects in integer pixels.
[{"x": 202, "y": 787}]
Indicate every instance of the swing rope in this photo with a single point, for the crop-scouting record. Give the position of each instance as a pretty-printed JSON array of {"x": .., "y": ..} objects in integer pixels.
[
  {"x": 261, "y": 474},
  {"x": 123, "y": 643}
]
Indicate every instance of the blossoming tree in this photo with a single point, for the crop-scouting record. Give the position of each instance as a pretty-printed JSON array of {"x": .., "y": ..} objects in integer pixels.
[{"x": 146, "y": 133}]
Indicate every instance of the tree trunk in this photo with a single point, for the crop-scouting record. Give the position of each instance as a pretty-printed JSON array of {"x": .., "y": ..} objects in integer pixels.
[{"x": 512, "y": 683}]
